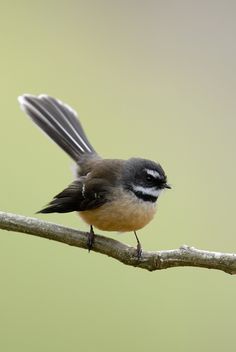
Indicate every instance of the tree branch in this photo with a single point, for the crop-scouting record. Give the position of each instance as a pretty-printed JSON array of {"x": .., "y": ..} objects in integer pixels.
[{"x": 184, "y": 256}]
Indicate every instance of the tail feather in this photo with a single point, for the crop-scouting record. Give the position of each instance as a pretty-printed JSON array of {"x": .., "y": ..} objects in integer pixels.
[
  {"x": 59, "y": 122},
  {"x": 72, "y": 119}
]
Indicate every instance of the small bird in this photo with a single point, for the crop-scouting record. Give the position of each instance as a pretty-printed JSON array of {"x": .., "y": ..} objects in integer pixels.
[{"x": 109, "y": 194}]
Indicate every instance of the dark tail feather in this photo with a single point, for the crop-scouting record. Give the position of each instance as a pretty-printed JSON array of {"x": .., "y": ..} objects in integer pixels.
[{"x": 59, "y": 122}]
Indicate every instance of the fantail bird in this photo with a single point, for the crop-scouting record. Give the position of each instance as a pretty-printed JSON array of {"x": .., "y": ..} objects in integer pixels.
[{"x": 109, "y": 194}]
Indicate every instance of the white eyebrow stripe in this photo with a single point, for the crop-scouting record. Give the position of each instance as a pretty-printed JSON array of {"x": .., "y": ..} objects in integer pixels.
[
  {"x": 153, "y": 173},
  {"x": 150, "y": 191}
]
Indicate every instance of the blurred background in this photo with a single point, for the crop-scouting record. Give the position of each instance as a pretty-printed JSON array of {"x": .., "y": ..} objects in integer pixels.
[{"x": 149, "y": 78}]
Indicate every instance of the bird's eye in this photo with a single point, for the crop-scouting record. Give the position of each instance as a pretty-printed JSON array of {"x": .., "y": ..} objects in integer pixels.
[{"x": 149, "y": 178}]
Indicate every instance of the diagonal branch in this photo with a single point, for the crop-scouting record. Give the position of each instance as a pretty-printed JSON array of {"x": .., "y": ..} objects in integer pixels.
[{"x": 184, "y": 256}]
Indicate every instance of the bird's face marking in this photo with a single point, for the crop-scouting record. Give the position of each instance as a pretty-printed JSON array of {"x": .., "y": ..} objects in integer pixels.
[{"x": 145, "y": 178}]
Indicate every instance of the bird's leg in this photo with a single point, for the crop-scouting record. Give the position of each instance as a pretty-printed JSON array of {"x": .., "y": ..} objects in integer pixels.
[
  {"x": 91, "y": 236},
  {"x": 139, "y": 247}
]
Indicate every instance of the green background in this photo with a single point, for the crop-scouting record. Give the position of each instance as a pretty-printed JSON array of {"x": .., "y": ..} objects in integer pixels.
[{"x": 148, "y": 78}]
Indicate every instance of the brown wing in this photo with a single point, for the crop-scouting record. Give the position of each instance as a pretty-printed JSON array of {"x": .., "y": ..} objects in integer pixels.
[
  {"x": 79, "y": 196},
  {"x": 89, "y": 191}
]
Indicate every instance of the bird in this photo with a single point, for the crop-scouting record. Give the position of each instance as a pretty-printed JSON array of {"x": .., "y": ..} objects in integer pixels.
[{"x": 108, "y": 194}]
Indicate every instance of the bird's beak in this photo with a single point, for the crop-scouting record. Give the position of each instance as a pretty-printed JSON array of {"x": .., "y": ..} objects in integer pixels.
[{"x": 167, "y": 186}]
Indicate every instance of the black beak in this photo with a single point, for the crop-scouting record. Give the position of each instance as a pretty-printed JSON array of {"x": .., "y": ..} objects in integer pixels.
[{"x": 167, "y": 186}]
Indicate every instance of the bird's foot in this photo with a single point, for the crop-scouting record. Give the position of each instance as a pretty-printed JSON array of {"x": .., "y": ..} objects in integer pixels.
[
  {"x": 139, "y": 247},
  {"x": 139, "y": 251},
  {"x": 90, "y": 240}
]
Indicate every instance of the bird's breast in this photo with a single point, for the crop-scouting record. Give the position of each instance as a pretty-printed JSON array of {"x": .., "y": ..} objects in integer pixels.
[{"x": 124, "y": 213}]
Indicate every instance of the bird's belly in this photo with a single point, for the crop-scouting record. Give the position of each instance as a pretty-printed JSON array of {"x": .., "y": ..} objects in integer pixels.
[{"x": 129, "y": 215}]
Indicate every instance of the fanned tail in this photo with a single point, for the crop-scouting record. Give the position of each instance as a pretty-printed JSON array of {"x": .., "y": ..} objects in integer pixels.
[{"x": 59, "y": 122}]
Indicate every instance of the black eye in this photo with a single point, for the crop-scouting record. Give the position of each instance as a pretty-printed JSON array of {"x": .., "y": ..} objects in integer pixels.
[{"x": 149, "y": 178}]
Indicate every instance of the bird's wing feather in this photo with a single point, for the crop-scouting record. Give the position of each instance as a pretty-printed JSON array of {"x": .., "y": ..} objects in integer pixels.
[{"x": 78, "y": 196}]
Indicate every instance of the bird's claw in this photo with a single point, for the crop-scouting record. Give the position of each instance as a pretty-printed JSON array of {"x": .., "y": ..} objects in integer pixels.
[{"x": 90, "y": 240}]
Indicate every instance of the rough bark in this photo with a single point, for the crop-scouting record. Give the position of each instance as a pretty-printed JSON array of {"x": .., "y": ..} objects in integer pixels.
[{"x": 183, "y": 256}]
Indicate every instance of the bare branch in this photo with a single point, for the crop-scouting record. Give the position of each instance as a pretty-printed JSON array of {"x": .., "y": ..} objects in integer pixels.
[{"x": 184, "y": 256}]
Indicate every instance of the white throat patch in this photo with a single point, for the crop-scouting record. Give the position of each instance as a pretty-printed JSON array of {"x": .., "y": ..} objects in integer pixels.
[{"x": 149, "y": 191}]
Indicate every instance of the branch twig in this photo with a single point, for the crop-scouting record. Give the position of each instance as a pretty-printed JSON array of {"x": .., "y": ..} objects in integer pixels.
[{"x": 184, "y": 256}]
